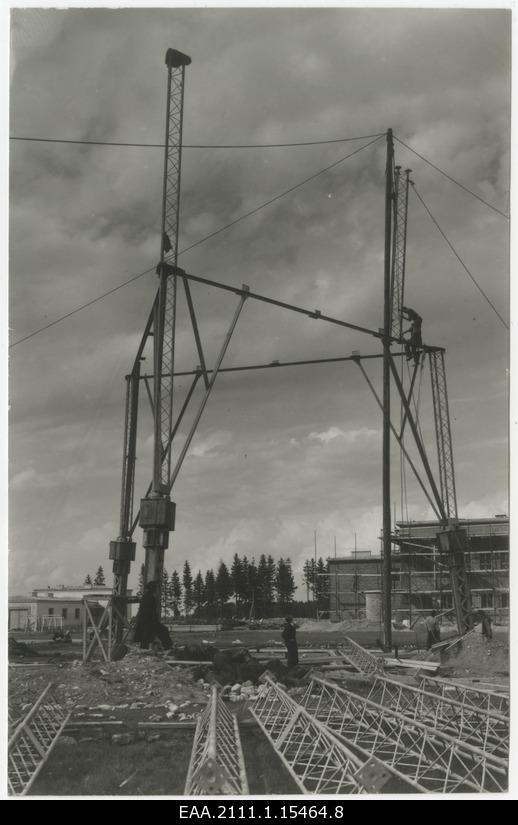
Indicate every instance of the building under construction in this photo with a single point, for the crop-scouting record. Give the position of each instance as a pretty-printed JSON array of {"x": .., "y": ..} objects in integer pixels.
[{"x": 420, "y": 582}]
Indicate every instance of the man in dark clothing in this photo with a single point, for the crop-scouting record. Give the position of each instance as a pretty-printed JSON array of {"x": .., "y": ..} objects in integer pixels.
[
  {"x": 487, "y": 630},
  {"x": 147, "y": 624},
  {"x": 289, "y": 637},
  {"x": 433, "y": 629},
  {"x": 415, "y": 342}
]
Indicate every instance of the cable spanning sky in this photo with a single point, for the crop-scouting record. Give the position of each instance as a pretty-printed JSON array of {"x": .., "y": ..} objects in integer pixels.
[{"x": 279, "y": 454}]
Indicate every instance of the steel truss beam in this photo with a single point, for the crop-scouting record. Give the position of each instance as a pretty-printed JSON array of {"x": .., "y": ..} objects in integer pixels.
[
  {"x": 472, "y": 697},
  {"x": 33, "y": 739},
  {"x": 400, "y": 220},
  {"x": 217, "y": 765},
  {"x": 361, "y": 659},
  {"x": 486, "y": 729},
  {"x": 317, "y": 760},
  {"x": 431, "y": 758},
  {"x": 443, "y": 433}
]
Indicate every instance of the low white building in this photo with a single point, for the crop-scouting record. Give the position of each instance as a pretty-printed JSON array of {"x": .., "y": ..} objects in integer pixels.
[{"x": 49, "y": 608}]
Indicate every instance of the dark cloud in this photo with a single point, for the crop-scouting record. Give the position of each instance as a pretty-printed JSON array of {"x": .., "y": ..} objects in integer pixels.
[{"x": 279, "y": 453}]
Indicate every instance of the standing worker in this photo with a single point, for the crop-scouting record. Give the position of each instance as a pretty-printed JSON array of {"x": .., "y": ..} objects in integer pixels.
[
  {"x": 148, "y": 626},
  {"x": 487, "y": 630},
  {"x": 415, "y": 342},
  {"x": 433, "y": 630},
  {"x": 289, "y": 637}
]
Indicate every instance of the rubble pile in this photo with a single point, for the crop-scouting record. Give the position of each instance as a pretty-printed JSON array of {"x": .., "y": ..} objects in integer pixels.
[
  {"x": 140, "y": 677},
  {"x": 476, "y": 656}
]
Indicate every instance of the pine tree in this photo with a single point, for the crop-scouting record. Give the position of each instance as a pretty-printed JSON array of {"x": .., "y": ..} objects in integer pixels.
[
  {"x": 141, "y": 577},
  {"x": 284, "y": 582},
  {"x": 252, "y": 575},
  {"x": 175, "y": 593},
  {"x": 224, "y": 588},
  {"x": 237, "y": 575},
  {"x": 88, "y": 581},
  {"x": 310, "y": 578},
  {"x": 187, "y": 588},
  {"x": 322, "y": 584},
  {"x": 271, "y": 573},
  {"x": 198, "y": 591},
  {"x": 264, "y": 596},
  {"x": 164, "y": 594},
  {"x": 99, "y": 580},
  {"x": 210, "y": 589}
]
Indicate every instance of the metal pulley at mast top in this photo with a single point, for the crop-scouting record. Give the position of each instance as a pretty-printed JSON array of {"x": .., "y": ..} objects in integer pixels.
[{"x": 157, "y": 510}]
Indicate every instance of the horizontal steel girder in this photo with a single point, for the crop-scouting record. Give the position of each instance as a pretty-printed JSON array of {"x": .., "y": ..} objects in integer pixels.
[
  {"x": 217, "y": 765},
  {"x": 434, "y": 759}
]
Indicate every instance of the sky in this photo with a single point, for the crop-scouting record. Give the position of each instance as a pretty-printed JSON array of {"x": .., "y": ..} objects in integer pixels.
[{"x": 279, "y": 454}]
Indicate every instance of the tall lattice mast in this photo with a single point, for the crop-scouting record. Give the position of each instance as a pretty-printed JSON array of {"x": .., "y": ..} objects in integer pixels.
[
  {"x": 157, "y": 510},
  {"x": 400, "y": 221}
]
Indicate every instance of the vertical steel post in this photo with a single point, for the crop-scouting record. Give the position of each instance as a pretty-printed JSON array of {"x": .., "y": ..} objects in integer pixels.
[{"x": 387, "y": 319}]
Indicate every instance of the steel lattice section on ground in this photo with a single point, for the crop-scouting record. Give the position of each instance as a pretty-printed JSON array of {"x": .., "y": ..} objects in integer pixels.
[
  {"x": 474, "y": 697},
  {"x": 317, "y": 760},
  {"x": 33, "y": 740},
  {"x": 217, "y": 763},
  {"x": 361, "y": 659},
  {"x": 435, "y": 760},
  {"x": 488, "y": 730}
]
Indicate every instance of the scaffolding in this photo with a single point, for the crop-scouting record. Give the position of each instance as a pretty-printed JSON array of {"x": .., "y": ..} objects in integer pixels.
[
  {"x": 425, "y": 580},
  {"x": 217, "y": 764},
  {"x": 33, "y": 740},
  {"x": 429, "y": 757}
]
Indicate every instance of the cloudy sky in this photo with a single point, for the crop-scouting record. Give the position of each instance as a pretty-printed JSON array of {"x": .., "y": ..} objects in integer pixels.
[{"x": 279, "y": 453}]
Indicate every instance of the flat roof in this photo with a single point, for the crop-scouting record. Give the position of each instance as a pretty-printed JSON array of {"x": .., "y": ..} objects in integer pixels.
[{"x": 356, "y": 559}]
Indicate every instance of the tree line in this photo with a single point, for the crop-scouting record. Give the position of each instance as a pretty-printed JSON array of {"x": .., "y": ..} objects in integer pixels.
[{"x": 246, "y": 590}]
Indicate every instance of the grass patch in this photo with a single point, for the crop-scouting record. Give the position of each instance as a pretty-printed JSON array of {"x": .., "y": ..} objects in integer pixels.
[{"x": 159, "y": 768}]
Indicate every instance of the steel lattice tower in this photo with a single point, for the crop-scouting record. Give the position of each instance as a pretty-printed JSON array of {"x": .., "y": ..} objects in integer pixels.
[
  {"x": 399, "y": 237},
  {"x": 157, "y": 510},
  {"x": 443, "y": 432}
]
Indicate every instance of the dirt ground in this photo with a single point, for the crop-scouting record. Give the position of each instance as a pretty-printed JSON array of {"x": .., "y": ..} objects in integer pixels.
[
  {"x": 105, "y": 750},
  {"x": 476, "y": 656},
  {"x": 143, "y": 768}
]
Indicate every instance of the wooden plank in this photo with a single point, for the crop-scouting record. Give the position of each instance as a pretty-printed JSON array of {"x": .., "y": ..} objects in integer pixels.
[{"x": 432, "y": 666}]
